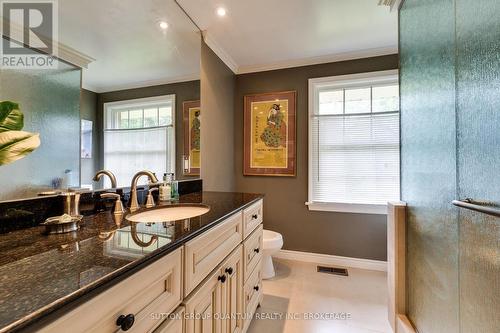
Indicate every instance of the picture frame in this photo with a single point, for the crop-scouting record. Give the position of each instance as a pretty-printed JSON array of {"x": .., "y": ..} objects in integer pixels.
[
  {"x": 191, "y": 112},
  {"x": 269, "y": 145}
]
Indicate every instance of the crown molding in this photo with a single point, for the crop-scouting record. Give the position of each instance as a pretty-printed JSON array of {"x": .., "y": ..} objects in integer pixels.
[
  {"x": 63, "y": 52},
  {"x": 73, "y": 56},
  {"x": 220, "y": 52},
  {"x": 231, "y": 63},
  {"x": 318, "y": 60},
  {"x": 141, "y": 84}
]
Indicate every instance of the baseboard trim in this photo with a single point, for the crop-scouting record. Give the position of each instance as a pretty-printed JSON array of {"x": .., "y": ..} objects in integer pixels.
[{"x": 325, "y": 259}]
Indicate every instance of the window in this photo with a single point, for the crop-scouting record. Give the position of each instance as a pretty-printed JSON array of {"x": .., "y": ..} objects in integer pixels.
[
  {"x": 354, "y": 142},
  {"x": 139, "y": 135}
]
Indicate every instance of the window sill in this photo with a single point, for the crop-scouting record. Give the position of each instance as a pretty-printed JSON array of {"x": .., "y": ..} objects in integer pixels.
[{"x": 348, "y": 208}]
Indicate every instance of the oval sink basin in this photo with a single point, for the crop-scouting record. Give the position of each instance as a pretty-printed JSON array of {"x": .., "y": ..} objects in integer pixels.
[{"x": 168, "y": 213}]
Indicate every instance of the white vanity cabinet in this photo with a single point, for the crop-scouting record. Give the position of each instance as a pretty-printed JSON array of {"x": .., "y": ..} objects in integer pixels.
[
  {"x": 226, "y": 300},
  {"x": 211, "y": 284}
]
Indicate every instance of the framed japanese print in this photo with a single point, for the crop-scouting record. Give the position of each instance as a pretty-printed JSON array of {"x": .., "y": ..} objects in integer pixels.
[
  {"x": 269, "y": 134},
  {"x": 191, "y": 120}
]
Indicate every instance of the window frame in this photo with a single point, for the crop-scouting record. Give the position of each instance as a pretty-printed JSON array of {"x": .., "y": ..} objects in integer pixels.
[
  {"x": 143, "y": 103},
  {"x": 315, "y": 85}
]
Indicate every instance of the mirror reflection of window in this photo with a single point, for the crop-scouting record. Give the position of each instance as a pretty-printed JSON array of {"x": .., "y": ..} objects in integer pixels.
[{"x": 139, "y": 135}]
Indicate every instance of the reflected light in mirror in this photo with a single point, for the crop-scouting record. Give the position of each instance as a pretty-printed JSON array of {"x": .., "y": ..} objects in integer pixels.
[
  {"x": 163, "y": 25},
  {"x": 221, "y": 11}
]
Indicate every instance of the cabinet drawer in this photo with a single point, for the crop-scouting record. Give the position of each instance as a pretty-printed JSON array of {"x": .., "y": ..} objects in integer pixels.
[
  {"x": 252, "y": 294},
  {"x": 204, "y": 253},
  {"x": 252, "y": 254},
  {"x": 252, "y": 217},
  {"x": 149, "y": 293},
  {"x": 174, "y": 324}
]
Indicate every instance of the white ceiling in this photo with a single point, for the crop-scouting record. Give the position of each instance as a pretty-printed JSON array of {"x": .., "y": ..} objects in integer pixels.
[
  {"x": 129, "y": 48},
  {"x": 268, "y": 34}
]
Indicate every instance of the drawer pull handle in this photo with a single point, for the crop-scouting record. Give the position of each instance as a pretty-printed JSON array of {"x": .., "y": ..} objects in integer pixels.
[
  {"x": 125, "y": 322},
  {"x": 256, "y": 288},
  {"x": 229, "y": 271},
  {"x": 255, "y": 216},
  {"x": 222, "y": 278},
  {"x": 257, "y": 250}
]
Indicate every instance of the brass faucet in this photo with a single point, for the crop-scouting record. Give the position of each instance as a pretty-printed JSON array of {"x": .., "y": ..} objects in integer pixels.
[
  {"x": 134, "y": 204},
  {"x": 108, "y": 173}
]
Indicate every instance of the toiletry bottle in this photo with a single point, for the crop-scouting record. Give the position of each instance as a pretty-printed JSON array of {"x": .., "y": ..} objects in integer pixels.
[
  {"x": 165, "y": 189},
  {"x": 174, "y": 188},
  {"x": 67, "y": 179}
]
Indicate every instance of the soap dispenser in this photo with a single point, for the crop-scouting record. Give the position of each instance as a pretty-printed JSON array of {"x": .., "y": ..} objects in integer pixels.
[{"x": 165, "y": 189}]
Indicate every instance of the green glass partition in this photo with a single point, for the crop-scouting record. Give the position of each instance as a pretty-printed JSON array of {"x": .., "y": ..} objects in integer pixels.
[{"x": 450, "y": 149}]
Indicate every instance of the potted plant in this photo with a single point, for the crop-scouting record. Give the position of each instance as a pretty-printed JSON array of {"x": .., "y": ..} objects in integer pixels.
[{"x": 14, "y": 143}]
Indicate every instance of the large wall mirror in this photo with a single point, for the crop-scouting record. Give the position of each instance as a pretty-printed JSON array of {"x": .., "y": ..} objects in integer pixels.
[{"x": 124, "y": 96}]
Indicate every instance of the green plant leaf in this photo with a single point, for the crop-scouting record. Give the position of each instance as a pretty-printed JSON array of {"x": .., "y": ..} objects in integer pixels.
[
  {"x": 11, "y": 119},
  {"x": 15, "y": 145}
]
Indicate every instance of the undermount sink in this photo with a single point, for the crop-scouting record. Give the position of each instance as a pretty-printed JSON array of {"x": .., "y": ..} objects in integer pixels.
[{"x": 169, "y": 213}]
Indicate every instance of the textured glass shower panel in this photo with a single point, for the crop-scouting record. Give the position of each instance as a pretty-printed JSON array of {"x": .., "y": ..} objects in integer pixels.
[
  {"x": 50, "y": 101},
  {"x": 428, "y": 161},
  {"x": 478, "y": 114}
]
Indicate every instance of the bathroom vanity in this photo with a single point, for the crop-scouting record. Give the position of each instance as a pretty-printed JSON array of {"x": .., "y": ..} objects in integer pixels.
[{"x": 193, "y": 275}]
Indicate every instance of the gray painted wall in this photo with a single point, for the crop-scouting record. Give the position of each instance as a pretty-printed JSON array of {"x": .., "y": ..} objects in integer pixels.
[
  {"x": 217, "y": 132},
  {"x": 88, "y": 111},
  {"x": 342, "y": 234}
]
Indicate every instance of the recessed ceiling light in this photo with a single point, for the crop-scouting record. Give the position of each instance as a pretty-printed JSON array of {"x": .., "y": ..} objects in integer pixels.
[
  {"x": 163, "y": 25},
  {"x": 221, "y": 11}
]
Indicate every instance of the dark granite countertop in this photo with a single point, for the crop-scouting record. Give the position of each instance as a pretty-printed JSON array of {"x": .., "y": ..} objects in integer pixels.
[{"x": 41, "y": 274}]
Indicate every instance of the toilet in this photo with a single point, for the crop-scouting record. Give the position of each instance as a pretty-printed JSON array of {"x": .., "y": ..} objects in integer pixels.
[{"x": 272, "y": 243}]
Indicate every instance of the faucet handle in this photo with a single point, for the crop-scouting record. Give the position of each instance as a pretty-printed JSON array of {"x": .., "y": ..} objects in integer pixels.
[
  {"x": 110, "y": 195},
  {"x": 118, "y": 210},
  {"x": 150, "y": 202}
]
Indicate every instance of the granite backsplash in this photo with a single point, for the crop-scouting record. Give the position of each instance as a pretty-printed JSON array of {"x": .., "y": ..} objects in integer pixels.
[{"x": 21, "y": 214}]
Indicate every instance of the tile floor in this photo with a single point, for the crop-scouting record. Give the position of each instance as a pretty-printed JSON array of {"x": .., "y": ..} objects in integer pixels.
[{"x": 299, "y": 292}]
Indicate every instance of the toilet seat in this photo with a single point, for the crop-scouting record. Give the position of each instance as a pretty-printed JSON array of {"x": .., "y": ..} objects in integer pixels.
[{"x": 272, "y": 239}]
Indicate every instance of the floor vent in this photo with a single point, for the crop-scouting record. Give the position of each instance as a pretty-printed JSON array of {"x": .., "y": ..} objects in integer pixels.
[{"x": 333, "y": 270}]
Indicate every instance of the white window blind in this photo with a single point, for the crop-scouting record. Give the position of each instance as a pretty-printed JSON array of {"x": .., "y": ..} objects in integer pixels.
[
  {"x": 354, "y": 142},
  {"x": 139, "y": 135}
]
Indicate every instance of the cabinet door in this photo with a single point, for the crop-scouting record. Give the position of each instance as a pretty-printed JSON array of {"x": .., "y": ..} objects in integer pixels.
[
  {"x": 203, "y": 307},
  {"x": 232, "y": 291},
  {"x": 175, "y": 323}
]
